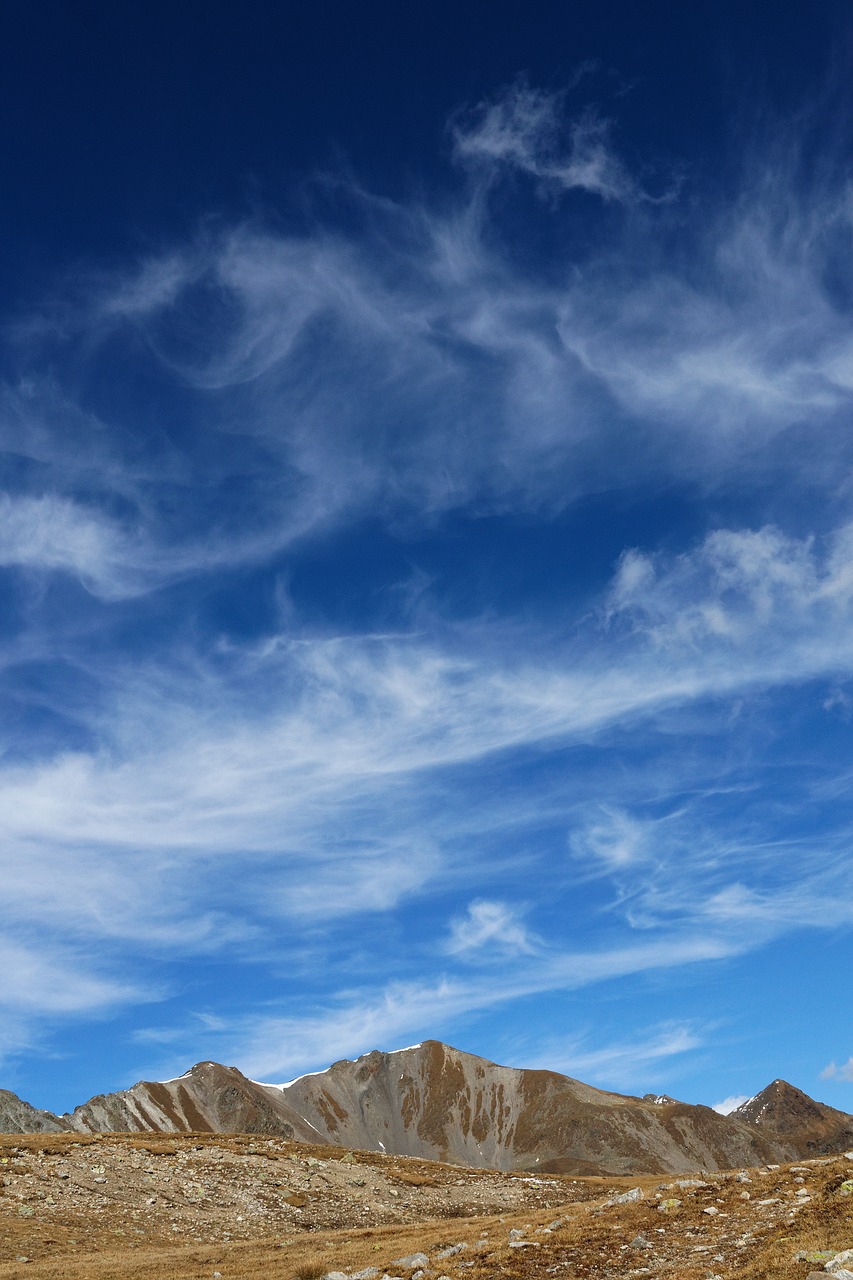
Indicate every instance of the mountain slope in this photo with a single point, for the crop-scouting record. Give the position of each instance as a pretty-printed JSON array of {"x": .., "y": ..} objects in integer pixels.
[
  {"x": 786, "y": 1111},
  {"x": 209, "y": 1098},
  {"x": 437, "y": 1103},
  {"x": 441, "y": 1104},
  {"x": 17, "y": 1116}
]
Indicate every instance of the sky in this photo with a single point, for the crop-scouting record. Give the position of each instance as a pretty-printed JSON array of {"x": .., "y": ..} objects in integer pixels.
[{"x": 426, "y": 540}]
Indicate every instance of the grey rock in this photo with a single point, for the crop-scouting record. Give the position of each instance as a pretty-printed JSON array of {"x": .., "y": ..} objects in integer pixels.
[
  {"x": 411, "y": 1262},
  {"x": 627, "y": 1197},
  {"x": 451, "y": 1250},
  {"x": 840, "y": 1264}
]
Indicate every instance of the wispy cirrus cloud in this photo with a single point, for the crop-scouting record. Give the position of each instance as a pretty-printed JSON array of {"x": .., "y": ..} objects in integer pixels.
[
  {"x": 51, "y": 533},
  {"x": 55, "y": 982},
  {"x": 254, "y": 779},
  {"x": 526, "y": 129},
  {"x": 622, "y": 1064},
  {"x": 341, "y": 373},
  {"x": 359, "y": 1019}
]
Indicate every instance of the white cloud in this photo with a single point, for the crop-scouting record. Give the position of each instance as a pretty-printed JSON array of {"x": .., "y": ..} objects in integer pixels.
[
  {"x": 614, "y": 837},
  {"x": 730, "y": 1104},
  {"x": 739, "y": 585},
  {"x": 626, "y": 1064},
  {"x": 415, "y": 368},
  {"x": 525, "y": 129},
  {"x": 315, "y": 761},
  {"x": 361, "y": 1020},
  {"x": 844, "y": 1071},
  {"x": 48, "y": 979},
  {"x": 53, "y": 533},
  {"x": 350, "y": 367},
  {"x": 489, "y": 925}
]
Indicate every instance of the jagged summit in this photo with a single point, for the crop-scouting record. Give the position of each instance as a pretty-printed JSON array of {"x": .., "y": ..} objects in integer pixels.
[{"x": 439, "y": 1103}]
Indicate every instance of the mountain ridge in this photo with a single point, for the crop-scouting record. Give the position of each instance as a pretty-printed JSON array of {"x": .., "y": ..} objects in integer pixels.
[{"x": 439, "y": 1103}]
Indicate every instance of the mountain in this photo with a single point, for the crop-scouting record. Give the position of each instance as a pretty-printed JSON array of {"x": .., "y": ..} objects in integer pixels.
[
  {"x": 438, "y": 1103},
  {"x": 208, "y": 1098},
  {"x": 792, "y": 1115},
  {"x": 17, "y": 1116}
]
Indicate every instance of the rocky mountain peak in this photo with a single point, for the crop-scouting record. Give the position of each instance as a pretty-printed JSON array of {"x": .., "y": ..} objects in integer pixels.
[{"x": 431, "y": 1101}]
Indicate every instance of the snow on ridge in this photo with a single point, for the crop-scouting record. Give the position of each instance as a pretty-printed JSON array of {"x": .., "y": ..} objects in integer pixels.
[
  {"x": 288, "y": 1084},
  {"x": 307, "y": 1074}
]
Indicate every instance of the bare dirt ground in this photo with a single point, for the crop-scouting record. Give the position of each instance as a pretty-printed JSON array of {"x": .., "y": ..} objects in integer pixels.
[{"x": 134, "y": 1207}]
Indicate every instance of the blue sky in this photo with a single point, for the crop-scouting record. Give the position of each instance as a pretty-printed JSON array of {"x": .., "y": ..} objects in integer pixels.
[{"x": 426, "y": 541}]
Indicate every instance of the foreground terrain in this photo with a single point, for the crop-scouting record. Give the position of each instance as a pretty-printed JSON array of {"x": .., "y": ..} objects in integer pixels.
[{"x": 200, "y": 1206}]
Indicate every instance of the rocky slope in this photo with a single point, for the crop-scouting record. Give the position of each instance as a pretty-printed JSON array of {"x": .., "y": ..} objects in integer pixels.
[
  {"x": 17, "y": 1116},
  {"x": 437, "y": 1103},
  {"x": 209, "y": 1098},
  {"x": 132, "y": 1206},
  {"x": 792, "y": 1115}
]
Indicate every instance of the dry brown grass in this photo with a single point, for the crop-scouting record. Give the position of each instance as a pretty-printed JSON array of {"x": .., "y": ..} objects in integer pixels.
[{"x": 594, "y": 1242}]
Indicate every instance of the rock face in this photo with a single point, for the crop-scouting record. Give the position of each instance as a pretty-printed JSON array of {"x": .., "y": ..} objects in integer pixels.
[
  {"x": 437, "y": 1103},
  {"x": 793, "y": 1116},
  {"x": 17, "y": 1116},
  {"x": 208, "y": 1099}
]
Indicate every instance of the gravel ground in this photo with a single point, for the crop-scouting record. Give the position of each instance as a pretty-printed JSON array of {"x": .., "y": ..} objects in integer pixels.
[{"x": 187, "y": 1207}]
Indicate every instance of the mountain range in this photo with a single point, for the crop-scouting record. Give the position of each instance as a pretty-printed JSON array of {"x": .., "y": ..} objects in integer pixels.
[{"x": 438, "y": 1103}]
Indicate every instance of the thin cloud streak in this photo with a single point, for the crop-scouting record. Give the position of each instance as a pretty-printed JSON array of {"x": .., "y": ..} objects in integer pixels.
[
  {"x": 623, "y": 1064},
  {"x": 274, "y": 1045}
]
